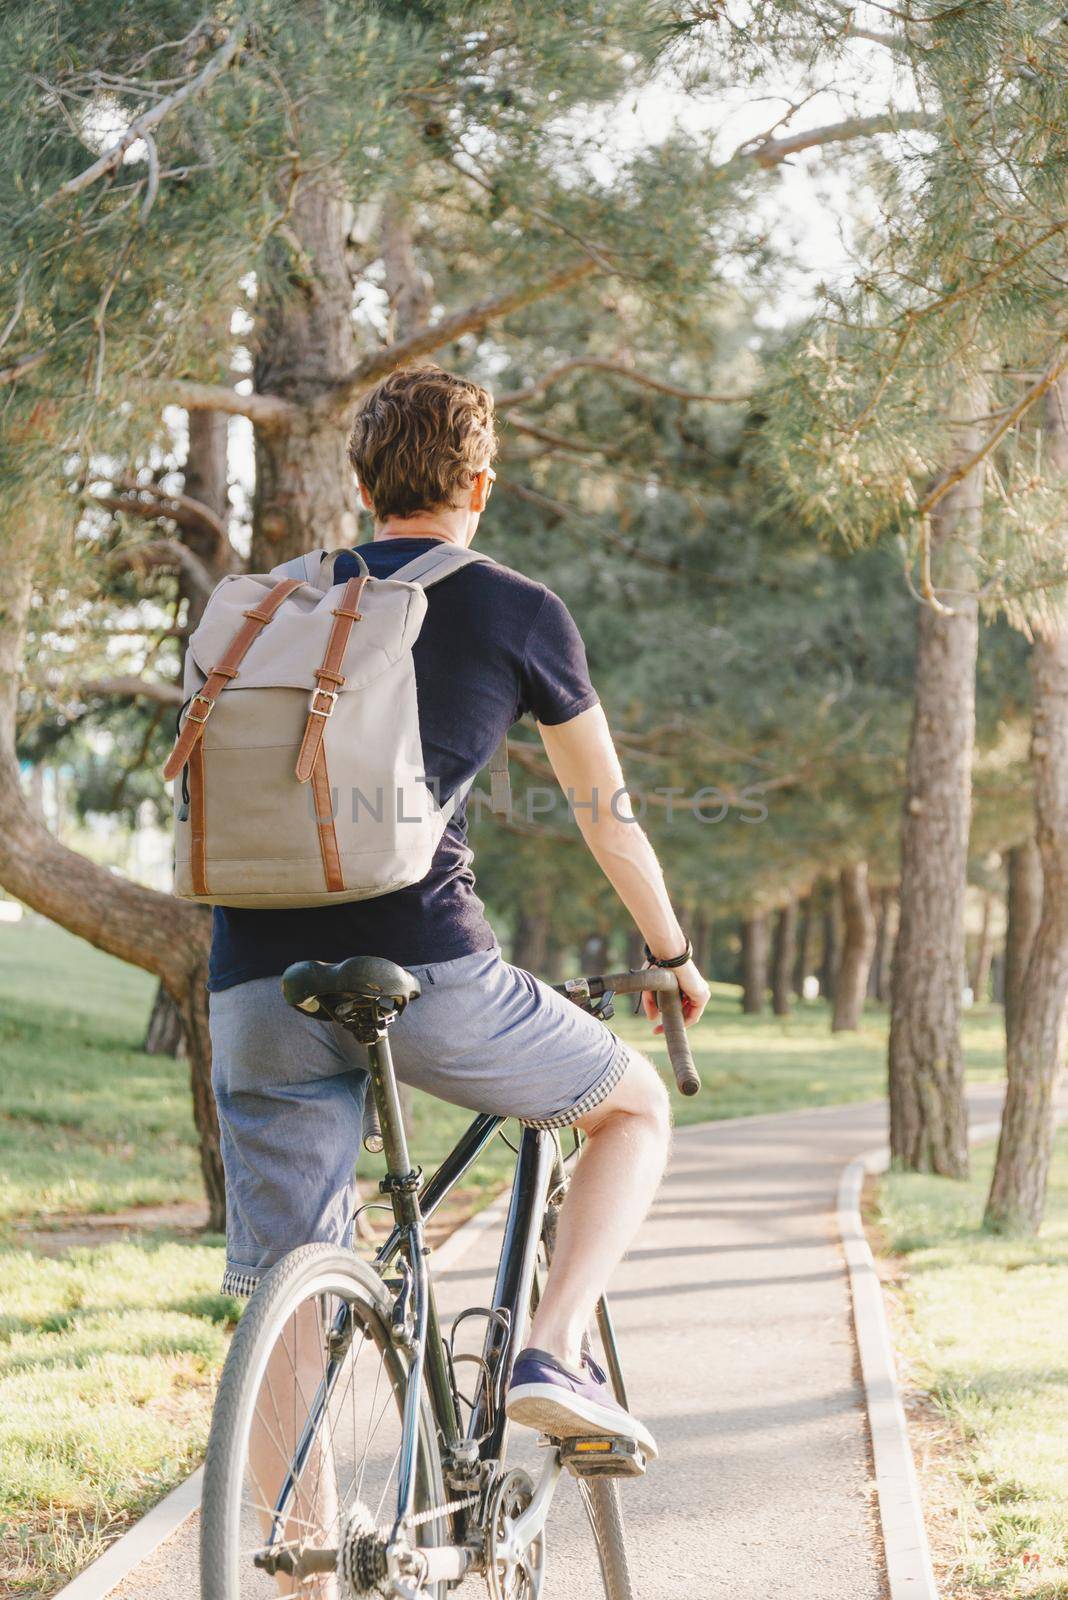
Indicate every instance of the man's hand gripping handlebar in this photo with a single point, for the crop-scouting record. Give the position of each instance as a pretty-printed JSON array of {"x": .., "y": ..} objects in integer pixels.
[{"x": 663, "y": 983}]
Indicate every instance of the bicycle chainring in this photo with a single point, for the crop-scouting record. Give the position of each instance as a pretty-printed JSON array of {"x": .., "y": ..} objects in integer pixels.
[{"x": 512, "y": 1573}]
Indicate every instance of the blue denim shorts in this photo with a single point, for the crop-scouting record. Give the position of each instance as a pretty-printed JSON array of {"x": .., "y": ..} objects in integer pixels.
[{"x": 290, "y": 1090}]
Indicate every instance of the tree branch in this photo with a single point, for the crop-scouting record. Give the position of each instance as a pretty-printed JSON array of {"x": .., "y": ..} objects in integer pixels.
[
  {"x": 19, "y": 369},
  {"x": 1009, "y": 417},
  {"x": 163, "y": 553},
  {"x": 130, "y": 687},
  {"x": 265, "y": 411},
  {"x": 141, "y": 126},
  {"x": 516, "y": 397},
  {"x": 428, "y": 339},
  {"x": 560, "y": 441},
  {"x": 148, "y": 500},
  {"x": 889, "y": 41},
  {"x": 772, "y": 152}
]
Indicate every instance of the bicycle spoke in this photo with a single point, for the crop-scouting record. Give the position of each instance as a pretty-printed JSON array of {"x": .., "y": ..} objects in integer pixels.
[
  {"x": 346, "y": 1443},
  {"x": 389, "y": 1480}
]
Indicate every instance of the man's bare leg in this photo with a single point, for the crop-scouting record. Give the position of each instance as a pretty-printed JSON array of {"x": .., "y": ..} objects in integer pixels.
[
  {"x": 611, "y": 1190},
  {"x": 291, "y": 1382}
]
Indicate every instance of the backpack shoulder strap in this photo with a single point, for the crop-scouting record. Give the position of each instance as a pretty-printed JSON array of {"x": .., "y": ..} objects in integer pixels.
[
  {"x": 500, "y": 785},
  {"x": 440, "y": 562},
  {"x": 432, "y": 567}
]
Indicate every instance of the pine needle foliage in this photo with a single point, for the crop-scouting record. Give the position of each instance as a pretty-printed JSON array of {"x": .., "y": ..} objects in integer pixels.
[{"x": 962, "y": 277}]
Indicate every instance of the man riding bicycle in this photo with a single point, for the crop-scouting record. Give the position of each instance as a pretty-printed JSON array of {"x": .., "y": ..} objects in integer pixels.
[{"x": 484, "y": 1035}]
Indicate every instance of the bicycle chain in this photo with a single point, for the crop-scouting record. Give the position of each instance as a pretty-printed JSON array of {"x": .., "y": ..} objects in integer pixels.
[{"x": 447, "y": 1510}]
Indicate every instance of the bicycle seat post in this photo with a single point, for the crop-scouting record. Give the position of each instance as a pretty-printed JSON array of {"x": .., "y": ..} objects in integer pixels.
[{"x": 400, "y": 1182}]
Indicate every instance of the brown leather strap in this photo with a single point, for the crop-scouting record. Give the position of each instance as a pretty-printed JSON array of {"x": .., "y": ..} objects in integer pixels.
[
  {"x": 329, "y": 678},
  {"x": 324, "y": 821},
  {"x": 198, "y": 841},
  {"x": 202, "y": 703}
]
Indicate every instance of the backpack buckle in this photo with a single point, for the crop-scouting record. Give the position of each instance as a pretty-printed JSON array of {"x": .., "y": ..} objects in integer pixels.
[
  {"x": 191, "y": 715},
  {"x": 331, "y": 695}
]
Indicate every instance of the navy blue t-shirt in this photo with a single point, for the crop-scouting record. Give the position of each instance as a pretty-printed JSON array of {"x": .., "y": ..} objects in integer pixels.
[{"x": 493, "y": 646}]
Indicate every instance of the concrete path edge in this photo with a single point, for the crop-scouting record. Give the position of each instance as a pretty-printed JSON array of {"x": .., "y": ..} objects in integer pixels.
[{"x": 910, "y": 1574}]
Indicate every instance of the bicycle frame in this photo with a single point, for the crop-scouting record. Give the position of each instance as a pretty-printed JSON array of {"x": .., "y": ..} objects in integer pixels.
[
  {"x": 538, "y": 1155},
  {"x": 538, "y": 1165}
]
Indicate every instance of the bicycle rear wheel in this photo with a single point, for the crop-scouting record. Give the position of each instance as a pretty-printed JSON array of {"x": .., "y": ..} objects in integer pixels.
[{"x": 313, "y": 1391}]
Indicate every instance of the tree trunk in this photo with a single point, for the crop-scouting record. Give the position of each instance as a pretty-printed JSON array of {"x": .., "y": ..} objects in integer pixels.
[
  {"x": 832, "y": 943},
  {"x": 928, "y": 1116},
  {"x": 702, "y": 939},
  {"x": 163, "y": 1035},
  {"x": 155, "y": 931},
  {"x": 1024, "y": 911},
  {"x": 305, "y": 494},
  {"x": 754, "y": 962},
  {"x": 878, "y": 906},
  {"x": 409, "y": 286},
  {"x": 206, "y": 479},
  {"x": 1035, "y": 1047},
  {"x": 785, "y": 950},
  {"x": 806, "y": 926},
  {"x": 1035, "y": 1050},
  {"x": 879, "y": 985},
  {"x": 984, "y": 954},
  {"x": 858, "y": 947},
  {"x": 530, "y": 945}
]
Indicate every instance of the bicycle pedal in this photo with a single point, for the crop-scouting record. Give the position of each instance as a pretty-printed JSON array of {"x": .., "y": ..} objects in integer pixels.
[{"x": 601, "y": 1456}]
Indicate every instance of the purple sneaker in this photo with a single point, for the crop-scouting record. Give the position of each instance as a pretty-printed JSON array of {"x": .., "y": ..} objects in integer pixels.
[{"x": 546, "y": 1395}]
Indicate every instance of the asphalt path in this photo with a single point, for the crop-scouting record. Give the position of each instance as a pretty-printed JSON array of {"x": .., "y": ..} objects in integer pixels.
[{"x": 734, "y": 1323}]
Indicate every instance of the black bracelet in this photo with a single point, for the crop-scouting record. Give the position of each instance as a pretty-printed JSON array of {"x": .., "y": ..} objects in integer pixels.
[{"x": 669, "y": 961}]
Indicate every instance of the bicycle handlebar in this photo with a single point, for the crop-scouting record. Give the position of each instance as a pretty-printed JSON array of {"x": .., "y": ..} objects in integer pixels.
[
  {"x": 657, "y": 980},
  {"x": 662, "y": 982}
]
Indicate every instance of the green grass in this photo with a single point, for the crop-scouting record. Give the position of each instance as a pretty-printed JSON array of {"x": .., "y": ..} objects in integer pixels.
[
  {"x": 750, "y": 1065},
  {"x": 108, "y": 1354},
  {"x": 87, "y": 1122},
  {"x": 987, "y": 1337},
  {"x": 108, "y": 1363}
]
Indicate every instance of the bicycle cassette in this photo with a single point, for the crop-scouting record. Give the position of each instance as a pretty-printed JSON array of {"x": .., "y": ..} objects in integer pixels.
[{"x": 361, "y": 1555}]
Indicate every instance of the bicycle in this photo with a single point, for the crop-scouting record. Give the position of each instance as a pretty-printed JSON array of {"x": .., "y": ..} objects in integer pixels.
[{"x": 299, "y": 1473}]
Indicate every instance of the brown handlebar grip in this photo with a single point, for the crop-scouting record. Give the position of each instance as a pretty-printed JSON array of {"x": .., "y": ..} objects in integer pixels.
[
  {"x": 678, "y": 1042},
  {"x": 663, "y": 983}
]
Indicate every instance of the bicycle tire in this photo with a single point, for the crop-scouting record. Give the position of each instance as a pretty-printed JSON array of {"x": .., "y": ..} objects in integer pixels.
[
  {"x": 600, "y": 1496},
  {"x": 312, "y": 1270}
]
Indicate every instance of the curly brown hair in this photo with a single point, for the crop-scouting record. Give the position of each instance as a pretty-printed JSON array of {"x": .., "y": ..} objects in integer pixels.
[{"x": 419, "y": 440}]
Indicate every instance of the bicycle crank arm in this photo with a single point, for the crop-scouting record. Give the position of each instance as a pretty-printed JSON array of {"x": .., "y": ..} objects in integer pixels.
[{"x": 529, "y": 1524}]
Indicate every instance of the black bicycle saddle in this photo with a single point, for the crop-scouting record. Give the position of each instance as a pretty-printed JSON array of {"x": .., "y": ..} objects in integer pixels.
[{"x": 317, "y": 986}]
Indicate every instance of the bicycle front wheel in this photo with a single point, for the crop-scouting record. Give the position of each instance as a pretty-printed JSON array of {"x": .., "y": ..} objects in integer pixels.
[{"x": 306, "y": 1434}]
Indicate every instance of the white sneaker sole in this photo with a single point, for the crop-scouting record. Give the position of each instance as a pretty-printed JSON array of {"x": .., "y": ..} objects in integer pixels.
[{"x": 561, "y": 1415}]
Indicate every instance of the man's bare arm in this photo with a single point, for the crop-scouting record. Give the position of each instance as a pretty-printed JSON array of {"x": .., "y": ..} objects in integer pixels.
[{"x": 583, "y": 757}]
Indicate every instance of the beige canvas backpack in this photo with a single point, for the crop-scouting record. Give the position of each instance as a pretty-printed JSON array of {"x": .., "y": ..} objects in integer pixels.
[{"x": 298, "y": 755}]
